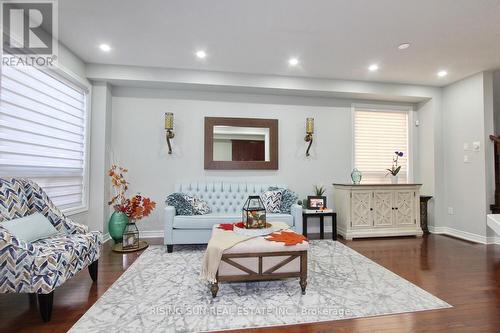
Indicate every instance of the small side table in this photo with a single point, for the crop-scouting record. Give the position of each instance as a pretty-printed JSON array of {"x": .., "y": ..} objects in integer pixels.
[{"x": 321, "y": 215}]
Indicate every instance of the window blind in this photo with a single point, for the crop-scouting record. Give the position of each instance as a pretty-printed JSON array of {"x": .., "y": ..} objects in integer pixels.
[
  {"x": 377, "y": 135},
  {"x": 43, "y": 134}
]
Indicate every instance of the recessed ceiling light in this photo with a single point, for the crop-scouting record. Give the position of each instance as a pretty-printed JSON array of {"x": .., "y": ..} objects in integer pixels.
[
  {"x": 404, "y": 46},
  {"x": 201, "y": 54},
  {"x": 442, "y": 73},
  {"x": 105, "y": 47},
  {"x": 293, "y": 61},
  {"x": 373, "y": 68}
]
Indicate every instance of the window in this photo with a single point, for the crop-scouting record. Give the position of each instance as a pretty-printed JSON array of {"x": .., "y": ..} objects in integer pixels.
[
  {"x": 43, "y": 121},
  {"x": 377, "y": 135}
]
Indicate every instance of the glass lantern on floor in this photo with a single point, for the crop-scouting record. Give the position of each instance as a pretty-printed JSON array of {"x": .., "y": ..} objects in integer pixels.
[
  {"x": 130, "y": 237},
  {"x": 254, "y": 213}
]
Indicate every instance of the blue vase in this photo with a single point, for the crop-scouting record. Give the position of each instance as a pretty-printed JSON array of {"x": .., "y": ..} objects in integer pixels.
[
  {"x": 356, "y": 176},
  {"x": 116, "y": 225}
]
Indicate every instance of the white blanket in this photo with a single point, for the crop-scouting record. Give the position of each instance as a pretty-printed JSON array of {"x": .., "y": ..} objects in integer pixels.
[{"x": 220, "y": 241}]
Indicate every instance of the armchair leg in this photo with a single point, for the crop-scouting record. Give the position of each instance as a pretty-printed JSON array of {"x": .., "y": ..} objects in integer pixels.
[
  {"x": 45, "y": 302},
  {"x": 170, "y": 248},
  {"x": 32, "y": 298},
  {"x": 93, "y": 270}
]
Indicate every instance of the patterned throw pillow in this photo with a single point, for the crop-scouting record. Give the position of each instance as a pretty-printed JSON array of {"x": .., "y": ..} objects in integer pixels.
[
  {"x": 181, "y": 204},
  {"x": 200, "y": 206},
  {"x": 272, "y": 200},
  {"x": 288, "y": 199}
]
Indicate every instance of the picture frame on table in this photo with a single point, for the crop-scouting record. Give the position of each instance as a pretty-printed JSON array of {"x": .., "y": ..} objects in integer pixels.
[{"x": 316, "y": 202}]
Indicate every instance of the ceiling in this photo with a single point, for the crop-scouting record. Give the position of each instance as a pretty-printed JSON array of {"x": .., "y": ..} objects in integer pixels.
[{"x": 335, "y": 39}]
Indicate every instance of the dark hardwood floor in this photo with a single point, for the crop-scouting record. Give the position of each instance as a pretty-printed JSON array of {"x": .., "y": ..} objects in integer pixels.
[{"x": 466, "y": 275}]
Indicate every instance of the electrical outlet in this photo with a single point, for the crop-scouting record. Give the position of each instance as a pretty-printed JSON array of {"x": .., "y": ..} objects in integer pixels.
[
  {"x": 476, "y": 146},
  {"x": 450, "y": 211}
]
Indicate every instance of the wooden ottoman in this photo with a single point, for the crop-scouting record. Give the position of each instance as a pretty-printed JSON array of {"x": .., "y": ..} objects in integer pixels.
[{"x": 258, "y": 259}]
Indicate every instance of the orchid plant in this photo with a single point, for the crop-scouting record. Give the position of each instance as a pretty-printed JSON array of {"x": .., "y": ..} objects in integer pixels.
[{"x": 394, "y": 170}]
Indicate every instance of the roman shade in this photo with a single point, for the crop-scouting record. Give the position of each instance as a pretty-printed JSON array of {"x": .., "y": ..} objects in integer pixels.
[
  {"x": 43, "y": 133},
  {"x": 377, "y": 135}
]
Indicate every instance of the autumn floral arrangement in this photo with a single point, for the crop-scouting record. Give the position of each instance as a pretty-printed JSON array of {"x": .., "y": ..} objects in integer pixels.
[{"x": 135, "y": 207}]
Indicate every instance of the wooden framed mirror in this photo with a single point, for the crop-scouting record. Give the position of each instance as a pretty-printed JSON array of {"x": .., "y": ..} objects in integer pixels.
[{"x": 241, "y": 144}]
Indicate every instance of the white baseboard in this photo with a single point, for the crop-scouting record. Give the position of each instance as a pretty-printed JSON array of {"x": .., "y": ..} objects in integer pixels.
[
  {"x": 106, "y": 237},
  {"x": 143, "y": 234},
  {"x": 464, "y": 235},
  {"x": 151, "y": 233}
]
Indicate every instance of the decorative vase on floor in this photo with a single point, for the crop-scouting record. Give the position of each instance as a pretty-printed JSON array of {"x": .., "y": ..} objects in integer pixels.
[
  {"x": 116, "y": 225},
  {"x": 394, "y": 179}
]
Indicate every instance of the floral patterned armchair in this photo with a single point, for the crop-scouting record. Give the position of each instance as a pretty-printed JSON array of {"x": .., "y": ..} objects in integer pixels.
[{"x": 41, "y": 266}]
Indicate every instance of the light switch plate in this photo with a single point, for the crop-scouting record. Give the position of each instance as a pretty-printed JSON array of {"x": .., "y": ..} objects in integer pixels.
[
  {"x": 450, "y": 211},
  {"x": 476, "y": 146},
  {"x": 466, "y": 146},
  {"x": 466, "y": 159}
]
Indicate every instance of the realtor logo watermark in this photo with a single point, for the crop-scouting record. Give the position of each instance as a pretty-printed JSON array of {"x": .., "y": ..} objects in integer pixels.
[{"x": 29, "y": 33}]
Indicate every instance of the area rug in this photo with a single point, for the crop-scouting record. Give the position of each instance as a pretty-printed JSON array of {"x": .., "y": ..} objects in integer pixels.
[{"x": 161, "y": 292}]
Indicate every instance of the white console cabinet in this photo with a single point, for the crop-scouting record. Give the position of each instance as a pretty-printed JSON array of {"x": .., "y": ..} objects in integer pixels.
[{"x": 377, "y": 210}]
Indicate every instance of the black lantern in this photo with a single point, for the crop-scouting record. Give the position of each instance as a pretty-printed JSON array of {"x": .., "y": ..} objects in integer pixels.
[
  {"x": 130, "y": 237},
  {"x": 254, "y": 213}
]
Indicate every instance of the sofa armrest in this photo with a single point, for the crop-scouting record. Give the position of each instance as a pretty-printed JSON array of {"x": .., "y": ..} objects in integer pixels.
[
  {"x": 296, "y": 211},
  {"x": 75, "y": 228},
  {"x": 169, "y": 215}
]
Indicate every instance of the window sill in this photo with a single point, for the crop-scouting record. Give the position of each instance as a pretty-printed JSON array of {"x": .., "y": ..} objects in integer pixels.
[{"x": 76, "y": 210}]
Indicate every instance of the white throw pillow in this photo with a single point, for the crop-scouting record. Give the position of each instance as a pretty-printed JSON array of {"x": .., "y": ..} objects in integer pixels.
[
  {"x": 30, "y": 228},
  {"x": 272, "y": 200},
  {"x": 200, "y": 206}
]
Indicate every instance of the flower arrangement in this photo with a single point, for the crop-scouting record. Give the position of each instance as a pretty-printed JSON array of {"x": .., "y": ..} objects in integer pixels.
[
  {"x": 394, "y": 170},
  {"x": 136, "y": 207}
]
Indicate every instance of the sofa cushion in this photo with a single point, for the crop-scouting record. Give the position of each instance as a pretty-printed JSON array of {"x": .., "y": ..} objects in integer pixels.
[
  {"x": 181, "y": 204},
  {"x": 288, "y": 199},
  {"x": 200, "y": 206},
  {"x": 66, "y": 254},
  {"x": 272, "y": 200},
  {"x": 30, "y": 228},
  {"x": 207, "y": 221}
]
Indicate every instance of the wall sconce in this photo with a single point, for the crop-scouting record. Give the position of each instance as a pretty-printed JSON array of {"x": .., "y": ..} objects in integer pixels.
[
  {"x": 169, "y": 127},
  {"x": 309, "y": 133}
]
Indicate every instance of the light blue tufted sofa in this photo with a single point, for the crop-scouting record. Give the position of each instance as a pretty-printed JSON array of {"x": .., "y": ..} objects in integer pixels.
[{"x": 226, "y": 201}]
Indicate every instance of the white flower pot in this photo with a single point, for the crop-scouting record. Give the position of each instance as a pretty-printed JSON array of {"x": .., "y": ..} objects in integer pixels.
[{"x": 394, "y": 179}]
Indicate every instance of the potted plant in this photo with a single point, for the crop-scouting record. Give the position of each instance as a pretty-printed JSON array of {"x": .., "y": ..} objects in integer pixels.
[
  {"x": 394, "y": 170},
  {"x": 317, "y": 202},
  {"x": 126, "y": 210}
]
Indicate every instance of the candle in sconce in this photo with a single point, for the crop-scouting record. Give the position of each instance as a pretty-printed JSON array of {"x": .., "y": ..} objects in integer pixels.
[
  {"x": 169, "y": 120},
  {"x": 310, "y": 125}
]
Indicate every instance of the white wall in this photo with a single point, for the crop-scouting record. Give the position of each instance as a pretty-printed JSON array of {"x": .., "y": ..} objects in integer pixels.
[
  {"x": 138, "y": 140},
  {"x": 496, "y": 101},
  {"x": 259, "y": 93},
  {"x": 466, "y": 110}
]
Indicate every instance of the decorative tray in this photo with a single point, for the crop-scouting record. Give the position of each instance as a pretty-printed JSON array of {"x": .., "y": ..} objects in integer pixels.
[{"x": 254, "y": 232}]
